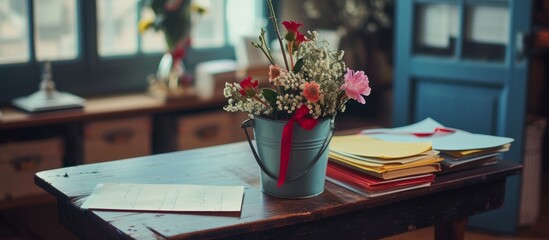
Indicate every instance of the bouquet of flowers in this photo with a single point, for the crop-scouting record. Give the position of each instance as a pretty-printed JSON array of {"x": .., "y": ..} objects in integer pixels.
[
  {"x": 173, "y": 18},
  {"x": 313, "y": 80}
]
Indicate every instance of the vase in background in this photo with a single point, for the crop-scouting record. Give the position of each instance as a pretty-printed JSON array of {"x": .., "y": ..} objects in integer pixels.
[
  {"x": 173, "y": 18},
  {"x": 170, "y": 72},
  {"x": 171, "y": 79}
]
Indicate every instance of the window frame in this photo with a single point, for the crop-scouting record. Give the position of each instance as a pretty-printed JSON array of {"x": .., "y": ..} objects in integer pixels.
[{"x": 89, "y": 74}]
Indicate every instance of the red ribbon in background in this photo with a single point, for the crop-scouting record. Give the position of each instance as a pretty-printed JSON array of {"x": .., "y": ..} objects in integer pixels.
[{"x": 306, "y": 123}]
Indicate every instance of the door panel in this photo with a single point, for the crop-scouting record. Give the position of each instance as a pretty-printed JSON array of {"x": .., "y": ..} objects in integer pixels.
[
  {"x": 475, "y": 107},
  {"x": 460, "y": 62},
  {"x": 486, "y": 73}
]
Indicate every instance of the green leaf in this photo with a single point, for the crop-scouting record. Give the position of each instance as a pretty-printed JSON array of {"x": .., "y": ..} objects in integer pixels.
[
  {"x": 270, "y": 95},
  {"x": 298, "y": 65}
]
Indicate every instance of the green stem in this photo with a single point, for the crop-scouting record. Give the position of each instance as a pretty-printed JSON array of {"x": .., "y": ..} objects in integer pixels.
[
  {"x": 341, "y": 99},
  {"x": 275, "y": 23},
  {"x": 262, "y": 46},
  {"x": 290, "y": 51},
  {"x": 266, "y": 54},
  {"x": 261, "y": 101},
  {"x": 268, "y": 50},
  {"x": 269, "y": 56}
]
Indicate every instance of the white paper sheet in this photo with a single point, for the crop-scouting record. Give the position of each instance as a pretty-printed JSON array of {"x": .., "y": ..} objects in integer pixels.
[
  {"x": 165, "y": 197},
  {"x": 459, "y": 140}
]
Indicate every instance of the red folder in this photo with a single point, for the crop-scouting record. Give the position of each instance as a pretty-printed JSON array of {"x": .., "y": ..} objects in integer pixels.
[{"x": 350, "y": 178}]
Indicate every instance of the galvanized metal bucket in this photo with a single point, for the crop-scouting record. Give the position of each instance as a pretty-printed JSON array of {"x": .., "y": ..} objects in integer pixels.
[{"x": 308, "y": 157}]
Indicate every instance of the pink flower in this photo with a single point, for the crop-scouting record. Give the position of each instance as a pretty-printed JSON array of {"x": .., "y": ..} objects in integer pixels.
[
  {"x": 274, "y": 72},
  {"x": 311, "y": 91},
  {"x": 248, "y": 87},
  {"x": 356, "y": 84}
]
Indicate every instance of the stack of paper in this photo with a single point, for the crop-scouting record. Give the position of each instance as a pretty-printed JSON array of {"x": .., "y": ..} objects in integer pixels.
[
  {"x": 465, "y": 159},
  {"x": 359, "y": 162},
  {"x": 369, "y": 186},
  {"x": 460, "y": 149}
]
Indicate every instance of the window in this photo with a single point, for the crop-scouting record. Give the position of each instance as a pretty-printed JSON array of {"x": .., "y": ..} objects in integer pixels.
[
  {"x": 55, "y": 34},
  {"x": 95, "y": 47},
  {"x": 208, "y": 30},
  {"x": 116, "y": 31},
  {"x": 248, "y": 24},
  {"x": 14, "y": 39}
]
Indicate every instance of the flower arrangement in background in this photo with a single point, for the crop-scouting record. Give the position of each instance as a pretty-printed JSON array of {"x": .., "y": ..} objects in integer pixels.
[
  {"x": 313, "y": 81},
  {"x": 173, "y": 18}
]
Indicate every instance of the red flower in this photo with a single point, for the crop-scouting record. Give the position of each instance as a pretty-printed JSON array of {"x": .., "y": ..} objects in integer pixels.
[
  {"x": 291, "y": 28},
  {"x": 178, "y": 53},
  {"x": 299, "y": 39},
  {"x": 248, "y": 87}
]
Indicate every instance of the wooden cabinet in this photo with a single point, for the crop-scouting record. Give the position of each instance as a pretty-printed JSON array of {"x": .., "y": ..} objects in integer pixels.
[{"x": 116, "y": 127}]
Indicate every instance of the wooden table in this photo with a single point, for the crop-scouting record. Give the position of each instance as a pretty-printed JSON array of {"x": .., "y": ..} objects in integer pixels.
[{"x": 335, "y": 214}]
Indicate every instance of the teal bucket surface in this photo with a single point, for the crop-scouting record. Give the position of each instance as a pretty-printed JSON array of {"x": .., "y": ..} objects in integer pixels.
[{"x": 303, "y": 180}]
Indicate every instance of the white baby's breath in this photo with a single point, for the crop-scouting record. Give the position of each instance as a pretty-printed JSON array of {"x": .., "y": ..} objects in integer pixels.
[
  {"x": 313, "y": 80},
  {"x": 320, "y": 64}
]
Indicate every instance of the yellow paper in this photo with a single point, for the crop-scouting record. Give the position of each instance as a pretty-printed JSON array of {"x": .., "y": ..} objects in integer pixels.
[
  {"x": 369, "y": 147},
  {"x": 472, "y": 152},
  {"x": 388, "y": 175},
  {"x": 384, "y": 167},
  {"x": 424, "y": 155}
]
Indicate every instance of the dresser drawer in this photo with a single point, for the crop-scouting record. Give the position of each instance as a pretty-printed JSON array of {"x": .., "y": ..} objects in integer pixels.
[
  {"x": 205, "y": 129},
  {"x": 20, "y": 160},
  {"x": 108, "y": 140}
]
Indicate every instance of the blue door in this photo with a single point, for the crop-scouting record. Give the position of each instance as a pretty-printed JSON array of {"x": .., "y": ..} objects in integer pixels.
[{"x": 461, "y": 62}]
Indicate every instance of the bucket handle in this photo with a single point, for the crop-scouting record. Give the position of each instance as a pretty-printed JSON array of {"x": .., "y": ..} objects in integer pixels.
[{"x": 249, "y": 123}]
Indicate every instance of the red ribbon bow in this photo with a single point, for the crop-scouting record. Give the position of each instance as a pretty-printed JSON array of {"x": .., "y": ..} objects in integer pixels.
[{"x": 306, "y": 123}]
